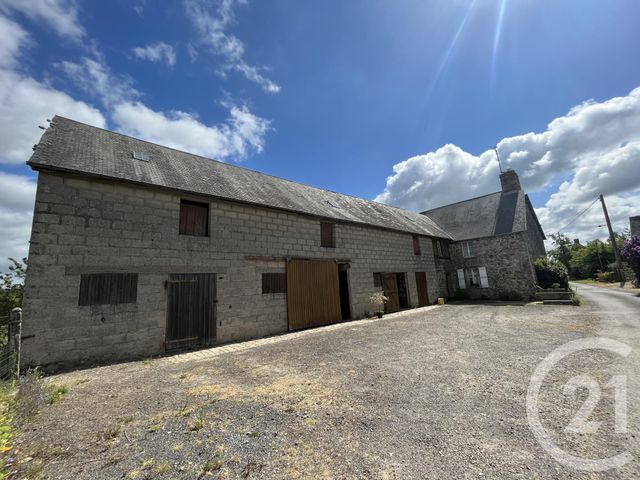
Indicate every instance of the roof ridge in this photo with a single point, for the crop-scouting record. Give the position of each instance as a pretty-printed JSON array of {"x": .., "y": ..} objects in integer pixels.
[
  {"x": 231, "y": 165},
  {"x": 425, "y": 212}
]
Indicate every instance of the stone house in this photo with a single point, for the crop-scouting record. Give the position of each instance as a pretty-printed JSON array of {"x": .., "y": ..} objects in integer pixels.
[
  {"x": 634, "y": 224},
  {"x": 137, "y": 249},
  {"x": 497, "y": 239}
]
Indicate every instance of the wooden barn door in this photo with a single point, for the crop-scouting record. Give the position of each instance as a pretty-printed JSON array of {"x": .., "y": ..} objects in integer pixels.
[
  {"x": 191, "y": 301},
  {"x": 313, "y": 293},
  {"x": 421, "y": 283},
  {"x": 390, "y": 288}
]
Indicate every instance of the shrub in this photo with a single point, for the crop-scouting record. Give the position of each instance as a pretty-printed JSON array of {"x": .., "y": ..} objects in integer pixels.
[
  {"x": 606, "y": 277},
  {"x": 551, "y": 271},
  {"x": 631, "y": 254}
]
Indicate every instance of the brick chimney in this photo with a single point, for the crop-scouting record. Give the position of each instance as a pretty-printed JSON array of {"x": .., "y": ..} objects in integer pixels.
[{"x": 510, "y": 181}]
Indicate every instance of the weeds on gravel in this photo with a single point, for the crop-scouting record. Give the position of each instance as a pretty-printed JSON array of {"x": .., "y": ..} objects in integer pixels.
[
  {"x": 576, "y": 300},
  {"x": 212, "y": 465},
  {"x": 7, "y": 412},
  {"x": 163, "y": 468},
  {"x": 198, "y": 424},
  {"x": 56, "y": 392},
  {"x": 154, "y": 428}
]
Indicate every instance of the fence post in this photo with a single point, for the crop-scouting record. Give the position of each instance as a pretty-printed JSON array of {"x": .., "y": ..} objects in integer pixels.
[{"x": 15, "y": 331}]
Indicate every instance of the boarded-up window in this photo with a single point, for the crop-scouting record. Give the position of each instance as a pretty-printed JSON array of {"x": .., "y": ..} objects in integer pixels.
[
  {"x": 274, "y": 283},
  {"x": 377, "y": 280},
  {"x": 194, "y": 218},
  {"x": 416, "y": 245},
  {"x": 327, "y": 235},
  {"x": 108, "y": 288}
]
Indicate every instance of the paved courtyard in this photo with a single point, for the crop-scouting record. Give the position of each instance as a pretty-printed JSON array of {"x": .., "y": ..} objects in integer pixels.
[{"x": 438, "y": 392}]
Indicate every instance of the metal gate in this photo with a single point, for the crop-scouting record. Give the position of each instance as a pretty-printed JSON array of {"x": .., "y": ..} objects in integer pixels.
[
  {"x": 313, "y": 293},
  {"x": 191, "y": 299}
]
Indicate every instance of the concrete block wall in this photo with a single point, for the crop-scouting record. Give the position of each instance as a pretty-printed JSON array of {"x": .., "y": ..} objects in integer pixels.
[
  {"x": 507, "y": 262},
  {"x": 85, "y": 225}
]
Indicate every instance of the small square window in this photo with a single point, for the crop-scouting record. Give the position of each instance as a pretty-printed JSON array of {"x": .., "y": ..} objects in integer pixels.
[
  {"x": 327, "y": 235},
  {"x": 143, "y": 156},
  {"x": 274, "y": 283},
  {"x": 194, "y": 218},
  {"x": 377, "y": 280}
]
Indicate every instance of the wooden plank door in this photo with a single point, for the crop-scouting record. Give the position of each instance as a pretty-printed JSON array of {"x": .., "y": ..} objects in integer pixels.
[
  {"x": 191, "y": 301},
  {"x": 421, "y": 283},
  {"x": 313, "y": 293},
  {"x": 390, "y": 288}
]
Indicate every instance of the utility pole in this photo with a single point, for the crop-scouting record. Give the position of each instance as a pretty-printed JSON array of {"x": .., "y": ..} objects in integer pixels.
[{"x": 613, "y": 243}]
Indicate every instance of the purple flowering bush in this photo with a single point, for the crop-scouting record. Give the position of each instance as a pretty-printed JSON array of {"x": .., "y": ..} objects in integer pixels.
[{"x": 631, "y": 254}]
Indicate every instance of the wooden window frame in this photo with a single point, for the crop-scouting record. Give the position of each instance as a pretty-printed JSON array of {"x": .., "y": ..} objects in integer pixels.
[
  {"x": 183, "y": 228},
  {"x": 107, "y": 289},
  {"x": 467, "y": 251},
  {"x": 274, "y": 282},
  {"x": 328, "y": 234},
  {"x": 416, "y": 245}
]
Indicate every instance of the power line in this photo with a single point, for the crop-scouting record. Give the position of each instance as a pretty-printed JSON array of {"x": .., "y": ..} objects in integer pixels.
[{"x": 579, "y": 214}]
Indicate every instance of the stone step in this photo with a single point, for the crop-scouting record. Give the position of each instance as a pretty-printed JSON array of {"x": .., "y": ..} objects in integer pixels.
[
  {"x": 557, "y": 302},
  {"x": 543, "y": 295}
]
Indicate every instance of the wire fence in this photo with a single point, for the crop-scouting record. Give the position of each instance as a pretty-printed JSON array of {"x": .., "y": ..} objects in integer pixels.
[{"x": 8, "y": 351}]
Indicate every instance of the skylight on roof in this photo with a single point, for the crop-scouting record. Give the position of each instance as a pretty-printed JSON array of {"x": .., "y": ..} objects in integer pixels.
[{"x": 141, "y": 156}]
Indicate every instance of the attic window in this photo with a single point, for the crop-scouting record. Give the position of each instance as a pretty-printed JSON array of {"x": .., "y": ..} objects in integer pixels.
[{"x": 141, "y": 156}]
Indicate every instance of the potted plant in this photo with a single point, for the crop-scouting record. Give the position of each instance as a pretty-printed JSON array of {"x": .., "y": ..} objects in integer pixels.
[{"x": 377, "y": 301}]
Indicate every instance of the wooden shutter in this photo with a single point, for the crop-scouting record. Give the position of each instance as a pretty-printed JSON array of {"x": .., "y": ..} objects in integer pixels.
[
  {"x": 416, "y": 245},
  {"x": 327, "y": 235},
  {"x": 461, "y": 281},
  {"x": 108, "y": 288},
  {"x": 421, "y": 285},
  {"x": 194, "y": 218},
  {"x": 484, "y": 280},
  {"x": 274, "y": 283}
]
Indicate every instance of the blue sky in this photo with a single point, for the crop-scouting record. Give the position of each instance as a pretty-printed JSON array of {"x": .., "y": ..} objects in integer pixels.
[{"x": 398, "y": 101}]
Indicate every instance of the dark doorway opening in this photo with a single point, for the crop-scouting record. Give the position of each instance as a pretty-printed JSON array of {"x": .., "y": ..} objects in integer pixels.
[
  {"x": 343, "y": 279},
  {"x": 403, "y": 295},
  {"x": 191, "y": 299}
]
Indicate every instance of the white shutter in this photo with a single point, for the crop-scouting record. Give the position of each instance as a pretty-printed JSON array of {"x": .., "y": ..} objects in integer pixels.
[
  {"x": 484, "y": 281},
  {"x": 461, "y": 281}
]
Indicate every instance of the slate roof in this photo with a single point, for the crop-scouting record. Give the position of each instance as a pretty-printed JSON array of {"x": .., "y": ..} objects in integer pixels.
[
  {"x": 497, "y": 213},
  {"x": 72, "y": 146}
]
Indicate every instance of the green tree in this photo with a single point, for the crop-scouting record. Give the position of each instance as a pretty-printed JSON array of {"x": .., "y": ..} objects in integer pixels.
[
  {"x": 595, "y": 256},
  {"x": 12, "y": 285},
  {"x": 563, "y": 248}
]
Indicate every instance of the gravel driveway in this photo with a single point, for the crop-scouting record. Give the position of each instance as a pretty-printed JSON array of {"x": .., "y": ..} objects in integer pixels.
[{"x": 431, "y": 393}]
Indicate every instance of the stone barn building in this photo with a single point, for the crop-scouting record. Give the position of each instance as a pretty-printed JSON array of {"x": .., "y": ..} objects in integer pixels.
[
  {"x": 137, "y": 249},
  {"x": 497, "y": 239}
]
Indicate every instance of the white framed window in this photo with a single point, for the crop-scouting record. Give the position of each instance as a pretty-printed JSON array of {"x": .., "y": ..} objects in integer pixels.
[
  {"x": 475, "y": 277},
  {"x": 467, "y": 251}
]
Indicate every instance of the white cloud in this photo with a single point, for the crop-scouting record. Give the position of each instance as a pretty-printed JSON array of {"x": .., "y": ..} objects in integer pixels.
[
  {"x": 593, "y": 149},
  {"x": 96, "y": 78},
  {"x": 26, "y": 104},
  {"x": 17, "y": 196},
  {"x": 211, "y": 25},
  {"x": 59, "y": 15},
  {"x": 157, "y": 52},
  {"x": 14, "y": 37},
  {"x": 241, "y": 134}
]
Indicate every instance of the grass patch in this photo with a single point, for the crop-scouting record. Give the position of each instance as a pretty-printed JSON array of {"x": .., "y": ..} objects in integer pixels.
[
  {"x": 163, "y": 468},
  {"x": 196, "y": 425},
  {"x": 576, "y": 300},
  {"x": 7, "y": 412},
  {"x": 212, "y": 465},
  {"x": 154, "y": 428},
  {"x": 55, "y": 393}
]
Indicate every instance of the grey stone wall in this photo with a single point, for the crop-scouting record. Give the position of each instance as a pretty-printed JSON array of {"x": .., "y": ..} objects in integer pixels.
[
  {"x": 535, "y": 242},
  {"x": 507, "y": 262},
  {"x": 634, "y": 223},
  {"x": 89, "y": 226}
]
